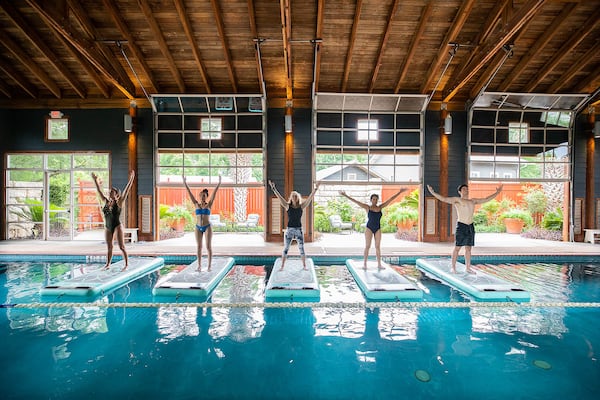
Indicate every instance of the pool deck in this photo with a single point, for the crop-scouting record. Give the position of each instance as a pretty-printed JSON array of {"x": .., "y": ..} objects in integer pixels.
[{"x": 335, "y": 245}]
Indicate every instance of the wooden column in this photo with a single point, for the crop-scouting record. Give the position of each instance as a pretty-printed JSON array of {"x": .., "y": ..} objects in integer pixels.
[
  {"x": 132, "y": 215},
  {"x": 589, "y": 209},
  {"x": 443, "y": 207},
  {"x": 289, "y": 152}
]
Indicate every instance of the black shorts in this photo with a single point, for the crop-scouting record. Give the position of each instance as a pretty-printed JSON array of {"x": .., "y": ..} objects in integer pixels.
[{"x": 465, "y": 234}]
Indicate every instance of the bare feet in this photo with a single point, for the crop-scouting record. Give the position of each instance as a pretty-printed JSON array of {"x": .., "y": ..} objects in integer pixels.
[
  {"x": 304, "y": 268},
  {"x": 107, "y": 266},
  {"x": 453, "y": 270},
  {"x": 124, "y": 268},
  {"x": 470, "y": 271},
  {"x": 380, "y": 267}
]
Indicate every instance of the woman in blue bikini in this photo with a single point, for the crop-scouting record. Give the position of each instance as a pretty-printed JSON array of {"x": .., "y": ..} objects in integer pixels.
[
  {"x": 373, "y": 223},
  {"x": 202, "y": 221}
]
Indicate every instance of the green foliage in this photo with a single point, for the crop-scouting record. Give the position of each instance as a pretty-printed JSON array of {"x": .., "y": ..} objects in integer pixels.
[
  {"x": 480, "y": 218},
  {"x": 177, "y": 213},
  {"x": 342, "y": 207},
  {"x": 523, "y": 215},
  {"x": 553, "y": 220},
  {"x": 535, "y": 200},
  {"x": 411, "y": 200},
  {"x": 321, "y": 219}
]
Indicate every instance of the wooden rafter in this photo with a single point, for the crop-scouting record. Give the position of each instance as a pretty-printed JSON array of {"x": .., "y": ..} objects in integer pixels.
[
  {"x": 575, "y": 68},
  {"x": 587, "y": 28},
  {"x": 162, "y": 44},
  {"x": 31, "y": 65},
  {"x": 348, "y": 63},
  {"x": 224, "y": 44},
  {"x": 459, "y": 21},
  {"x": 113, "y": 11},
  {"x": 25, "y": 28},
  {"x": 254, "y": 34},
  {"x": 286, "y": 33},
  {"x": 189, "y": 33},
  {"x": 19, "y": 79},
  {"x": 495, "y": 43},
  {"x": 383, "y": 44},
  {"x": 537, "y": 47},
  {"x": 88, "y": 27},
  {"x": 318, "y": 36},
  {"x": 85, "y": 47},
  {"x": 593, "y": 80},
  {"x": 413, "y": 45},
  {"x": 5, "y": 89}
]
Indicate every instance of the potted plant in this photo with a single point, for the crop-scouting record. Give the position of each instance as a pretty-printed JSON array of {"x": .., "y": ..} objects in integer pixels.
[
  {"x": 515, "y": 219},
  {"x": 404, "y": 218},
  {"x": 177, "y": 217}
]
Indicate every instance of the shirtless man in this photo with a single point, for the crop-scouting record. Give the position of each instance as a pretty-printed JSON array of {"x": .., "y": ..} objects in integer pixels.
[{"x": 465, "y": 230}]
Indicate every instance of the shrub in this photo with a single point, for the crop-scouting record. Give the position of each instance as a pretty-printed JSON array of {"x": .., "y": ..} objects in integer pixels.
[
  {"x": 553, "y": 220},
  {"x": 523, "y": 215}
]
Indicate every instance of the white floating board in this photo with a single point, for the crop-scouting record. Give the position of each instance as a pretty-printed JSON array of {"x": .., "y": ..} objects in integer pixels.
[
  {"x": 480, "y": 285},
  {"x": 294, "y": 281},
  {"x": 97, "y": 280},
  {"x": 191, "y": 282},
  {"x": 382, "y": 284}
]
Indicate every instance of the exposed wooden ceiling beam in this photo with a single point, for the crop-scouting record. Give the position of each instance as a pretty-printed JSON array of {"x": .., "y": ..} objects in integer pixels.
[
  {"x": 286, "y": 32},
  {"x": 115, "y": 14},
  {"x": 6, "y": 90},
  {"x": 459, "y": 21},
  {"x": 85, "y": 47},
  {"x": 413, "y": 45},
  {"x": 30, "y": 64},
  {"x": 495, "y": 43},
  {"x": 318, "y": 44},
  {"x": 533, "y": 52},
  {"x": 19, "y": 79},
  {"x": 224, "y": 44},
  {"x": 587, "y": 28},
  {"x": 348, "y": 63},
  {"x": 25, "y": 28},
  {"x": 88, "y": 27},
  {"x": 189, "y": 33},
  {"x": 590, "y": 83},
  {"x": 383, "y": 44},
  {"x": 575, "y": 68},
  {"x": 74, "y": 102},
  {"x": 162, "y": 44}
]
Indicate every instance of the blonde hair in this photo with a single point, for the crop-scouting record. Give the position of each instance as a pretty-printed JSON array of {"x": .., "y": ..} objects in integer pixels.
[{"x": 295, "y": 194}]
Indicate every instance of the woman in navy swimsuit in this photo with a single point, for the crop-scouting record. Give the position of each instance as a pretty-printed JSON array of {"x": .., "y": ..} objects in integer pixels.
[
  {"x": 113, "y": 204},
  {"x": 373, "y": 223},
  {"x": 202, "y": 221}
]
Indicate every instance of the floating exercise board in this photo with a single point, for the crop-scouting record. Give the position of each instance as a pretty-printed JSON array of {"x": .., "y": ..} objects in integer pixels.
[
  {"x": 191, "y": 282},
  {"x": 293, "y": 281},
  {"x": 97, "y": 280},
  {"x": 382, "y": 283},
  {"x": 480, "y": 285}
]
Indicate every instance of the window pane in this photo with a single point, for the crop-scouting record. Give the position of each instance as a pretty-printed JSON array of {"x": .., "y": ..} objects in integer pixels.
[
  {"x": 91, "y": 161},
  {"x": 25, "y": 161}
]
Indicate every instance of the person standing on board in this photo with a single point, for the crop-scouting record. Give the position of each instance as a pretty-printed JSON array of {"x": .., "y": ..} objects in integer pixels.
[
  {"x": 373, "y": 229},
  {"x": 465, "y": 230},
  {"x": 203, "y": 222},
  {"x": 113, "y": 204},
  {"x": 294, "y": 207}
]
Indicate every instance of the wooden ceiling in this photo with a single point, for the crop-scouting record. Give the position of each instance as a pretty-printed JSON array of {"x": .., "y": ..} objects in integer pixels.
[{"x": 105, "y": 53}]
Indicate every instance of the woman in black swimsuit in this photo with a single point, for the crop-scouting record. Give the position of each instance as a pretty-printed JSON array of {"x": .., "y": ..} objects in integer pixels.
[
  {"x": 373, "y": 223},
  {"x": 113, "y": 204}
]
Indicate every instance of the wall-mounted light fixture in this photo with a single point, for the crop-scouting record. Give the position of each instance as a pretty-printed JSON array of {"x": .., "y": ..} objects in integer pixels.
[
  {"x": 446, "y": 119},
  {"x": 288, "y": 117},
  {"x": 127, "y": 123},
  {"x": 597, "y": 130}
]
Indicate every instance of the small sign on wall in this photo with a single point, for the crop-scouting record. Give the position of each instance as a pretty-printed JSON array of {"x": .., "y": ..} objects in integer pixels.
[
  {"x": 145, "y": 202},
  {"x": 275, "y": 216}
]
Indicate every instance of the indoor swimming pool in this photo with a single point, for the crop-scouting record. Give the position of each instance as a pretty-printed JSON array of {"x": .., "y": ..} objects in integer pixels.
[{"x": 133, "y": 345}]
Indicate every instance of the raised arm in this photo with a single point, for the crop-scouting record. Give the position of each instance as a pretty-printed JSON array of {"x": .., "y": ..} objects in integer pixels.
[
  {"x": 192, "y": 198},
  {"x": 306, "y": 202},
  {"x": 449, "y": 200},
  {"x": 358, "y": 203},
  {"x": 490, "y": 197},
  {"x": 98, "y": 188},
  {"x": 214, "y": 193},
  {"x": 388, "y": 201},
  {"x": 127, "y": 188},
  {"x": 284, "y": 203}
]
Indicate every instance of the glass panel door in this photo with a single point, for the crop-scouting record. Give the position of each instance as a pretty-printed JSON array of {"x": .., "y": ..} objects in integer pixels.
[{"x": 58, "y": 206}]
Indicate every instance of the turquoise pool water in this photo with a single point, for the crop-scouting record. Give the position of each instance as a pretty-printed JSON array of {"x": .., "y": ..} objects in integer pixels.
[{"x": 327, "y": 351}]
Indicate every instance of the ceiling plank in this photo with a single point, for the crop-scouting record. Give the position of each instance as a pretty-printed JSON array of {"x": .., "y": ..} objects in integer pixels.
[
  {"x": 226, "y": 51},
  {"x": 162, "y": 44},
  {"x": 495, "y": 43},
  {"x": 352, "y": 40},
  {"x": 85, "y": 47},
  {"x": 565, "y": 49},
  {"x": 575, "y": 68},
  {"x": 413, "y": 45},
  {"x": 286, "y": 32},
  {"x": 451, "y": 34},
  {"x": 31, "y": 65},
  {"x": 591, "y": 81},
  {"x": 113, "y": 11},
  {"x": 187, "y": 27},
  {"x": 382, "y": 46},
  {"x": 5, "y": 89},
  {"x": 25, "y": 28},
  {"x": 318, "y": 43},
  {"x": 533, "y": 52},
  {"x": 19, "y": 79}
]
